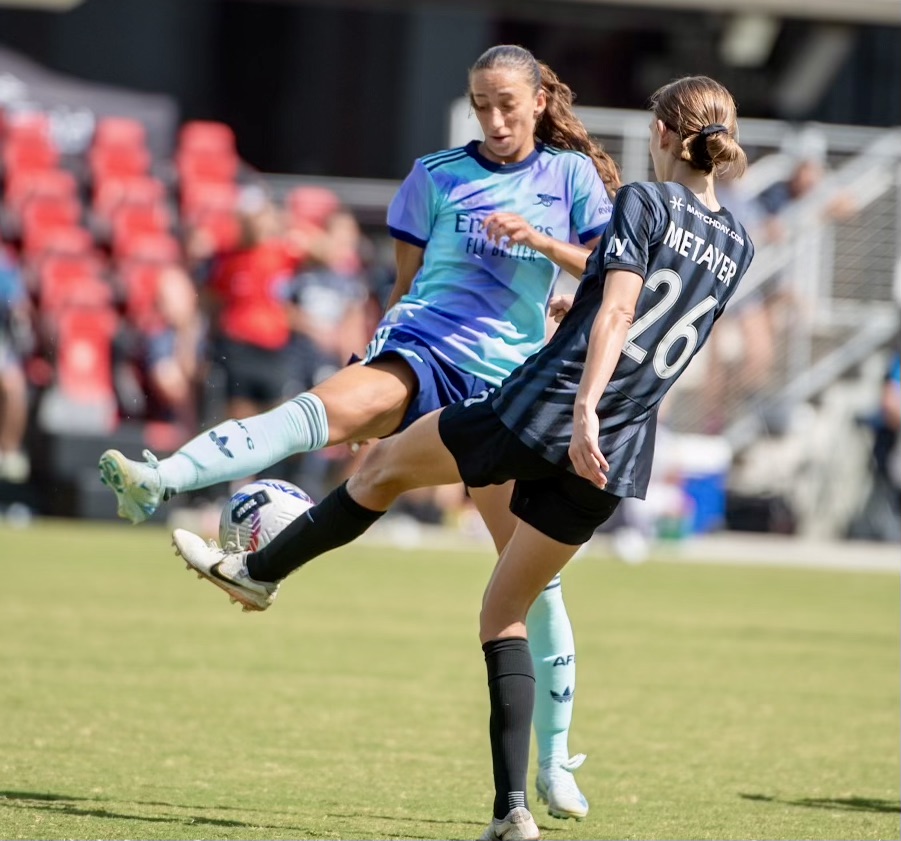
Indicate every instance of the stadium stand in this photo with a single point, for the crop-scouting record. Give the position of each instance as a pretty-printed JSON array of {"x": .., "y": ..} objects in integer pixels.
[
  {"x": 116, "y": 246},
  {"x": 91, "y": 236}
]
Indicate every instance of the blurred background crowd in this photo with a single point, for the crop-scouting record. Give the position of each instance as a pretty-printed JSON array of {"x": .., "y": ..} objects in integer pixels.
[
  {"x": 167, "y": 293},
  {"x": 169, "y": 261}
]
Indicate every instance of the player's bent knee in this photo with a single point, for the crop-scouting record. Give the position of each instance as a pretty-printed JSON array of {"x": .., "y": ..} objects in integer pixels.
[
  {"x": 383, "y": 474},
  {"x": 495, "y": 624}
]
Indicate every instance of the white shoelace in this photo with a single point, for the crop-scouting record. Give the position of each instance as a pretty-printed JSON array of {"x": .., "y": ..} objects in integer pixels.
[
  {"x": 150, "y": 458},
  {"x": 574, "y": 762}
]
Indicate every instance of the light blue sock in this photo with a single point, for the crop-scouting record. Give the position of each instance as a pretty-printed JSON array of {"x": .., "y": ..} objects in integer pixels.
[
  {"x": 238, "y": 448},
  {"x": 554, "y": 658}
]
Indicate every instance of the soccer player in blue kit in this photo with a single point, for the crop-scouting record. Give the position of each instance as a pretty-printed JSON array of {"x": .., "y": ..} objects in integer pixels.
[
  {"x": 481, "y": 233},
  {"x": 573, "y": 426}
]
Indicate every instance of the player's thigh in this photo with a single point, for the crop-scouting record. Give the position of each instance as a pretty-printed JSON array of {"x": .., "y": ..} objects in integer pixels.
[
  {"x": 366, "y": 401},
  {"x": 526, "y": 566},
  {"x": 493, "y": 503},
  {"x": 415, "y": 458}
]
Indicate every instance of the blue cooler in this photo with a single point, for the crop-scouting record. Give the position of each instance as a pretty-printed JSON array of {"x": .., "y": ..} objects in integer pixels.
[{"x": 705, "y": 461}]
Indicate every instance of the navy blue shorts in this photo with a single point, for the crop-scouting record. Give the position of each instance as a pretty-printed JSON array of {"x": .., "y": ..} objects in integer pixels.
[{"x": 440, "y": 383}]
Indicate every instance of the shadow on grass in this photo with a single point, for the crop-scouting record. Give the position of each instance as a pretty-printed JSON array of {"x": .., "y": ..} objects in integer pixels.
[
  {"x": 546, "y": 829},
  {"x": 404, "y": 819},
  {"x": 60, "y": 804},
  {"x": 848, "y": 804}
]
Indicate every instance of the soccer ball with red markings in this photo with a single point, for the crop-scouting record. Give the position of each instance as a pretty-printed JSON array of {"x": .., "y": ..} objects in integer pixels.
[{"x": 258, "y": 511}]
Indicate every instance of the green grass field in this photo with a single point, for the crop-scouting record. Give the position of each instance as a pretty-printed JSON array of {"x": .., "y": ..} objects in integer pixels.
[{"x": 714, "y": 702}]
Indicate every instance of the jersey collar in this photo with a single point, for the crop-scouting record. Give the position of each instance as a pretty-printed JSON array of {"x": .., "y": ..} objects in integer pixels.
[{"x": 472, "y": 149}]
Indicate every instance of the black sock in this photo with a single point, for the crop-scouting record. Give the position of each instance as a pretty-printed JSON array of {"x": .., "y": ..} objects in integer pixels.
[
  {"x": 337, "y": 520},
  {"x": 511, "y": 688}
]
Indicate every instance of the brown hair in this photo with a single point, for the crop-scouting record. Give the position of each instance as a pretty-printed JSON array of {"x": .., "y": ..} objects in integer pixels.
[
  {"x": 558, "y": 126},
  {"x": 703, "y": 113}
]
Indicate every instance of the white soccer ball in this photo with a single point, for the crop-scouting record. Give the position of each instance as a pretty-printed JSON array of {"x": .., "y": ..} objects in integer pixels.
[{"x": 258, "y": 511}]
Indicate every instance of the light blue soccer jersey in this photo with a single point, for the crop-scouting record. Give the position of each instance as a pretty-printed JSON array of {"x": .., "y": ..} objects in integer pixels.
[{"x": 482, "y": 307}]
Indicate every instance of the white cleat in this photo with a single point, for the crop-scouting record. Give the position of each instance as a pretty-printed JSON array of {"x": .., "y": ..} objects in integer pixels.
[
  {"x": 137, "y": 484},
  {"x": 557, "y": 787},
  {"x": 226, "y": 568},
  {"x": 518, "y": 825}
]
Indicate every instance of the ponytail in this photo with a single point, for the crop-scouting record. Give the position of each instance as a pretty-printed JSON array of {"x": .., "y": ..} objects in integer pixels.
[{"x": 559, "y": 126}]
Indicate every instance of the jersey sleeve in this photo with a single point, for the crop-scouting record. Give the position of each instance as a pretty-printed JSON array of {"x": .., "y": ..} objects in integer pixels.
[
  {"x": 633, "y": 227},
  {"x": 412, "y": 212},
  {"x": 591, "y": 205}
]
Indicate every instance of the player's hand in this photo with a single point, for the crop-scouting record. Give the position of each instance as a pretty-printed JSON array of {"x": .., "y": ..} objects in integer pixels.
[
  {"x": 559, "y": 306},
  {"x": 584, "y": 453},
  {"x": 510, "y": 228}
]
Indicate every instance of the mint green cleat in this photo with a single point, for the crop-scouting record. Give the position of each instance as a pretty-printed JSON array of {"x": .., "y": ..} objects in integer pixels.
[
  {"x": 557, "y": 787},
  {"x": 137, "y": 485}
]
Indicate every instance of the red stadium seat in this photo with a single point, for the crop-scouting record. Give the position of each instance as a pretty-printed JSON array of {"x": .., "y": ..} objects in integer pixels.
[
  {"x": 206, "y": 136},
  {"x": 198, "y": 197},
  {"x": 59, "y": 239},
  {"x": 119, "y": 161},
  {"x": 19, "y": 124},
  {"x": 26, "y": 154},
  {"x": 119, "y": 131},
  {"x": 81, "y": 393},
  {"x": 199, "y": 165},
  {"x": 131, "y": 220},
  {"x": 71, "y": 282},
  {"x": 140, "y": 286},
  {"x": 49, "y": 211},
  {"x": 46, "y": 183},
  {"x": 84, "y": 370},
  {"x": 111, "y": 193},
  {"x": 151, "y": 247}
]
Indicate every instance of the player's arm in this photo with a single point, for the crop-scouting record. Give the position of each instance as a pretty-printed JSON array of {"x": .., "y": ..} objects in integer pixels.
[
  {"x": 605, "y": 344},
  {"x": 513, "y": 229},
  {"x": 569, "y": 256},
  {"x": 408, "y": 261}
]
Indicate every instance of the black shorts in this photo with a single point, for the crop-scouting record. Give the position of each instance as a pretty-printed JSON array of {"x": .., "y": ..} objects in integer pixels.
[
  {"x": 255, "y": 373},
  {"x": 559, "y": 504}
]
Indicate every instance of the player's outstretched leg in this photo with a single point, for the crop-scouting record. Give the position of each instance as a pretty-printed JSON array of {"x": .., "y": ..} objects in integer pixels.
[
  {"x": 554, "y": 660},
  {"x": 420, "y": 460},
  {"x": 232, "y": 450}
]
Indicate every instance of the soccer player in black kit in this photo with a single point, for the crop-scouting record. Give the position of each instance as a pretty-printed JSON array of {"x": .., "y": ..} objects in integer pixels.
[{"x": 573, "y": 426}]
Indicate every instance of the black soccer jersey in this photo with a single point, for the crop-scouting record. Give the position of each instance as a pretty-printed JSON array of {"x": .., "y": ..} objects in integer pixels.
[{"x": 691, "y": 259}]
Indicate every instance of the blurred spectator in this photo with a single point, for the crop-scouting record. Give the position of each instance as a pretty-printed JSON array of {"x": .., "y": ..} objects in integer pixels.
[
  {"x": 891, "y": 421},
  {"x": 775, "y": 305},
  {"x": 805, "y": 177},
  {"x": 200, "y": 251},
  {"x": 15, "y": 335},
  {"x": 742, "y": 363},
  {"x": 330, "y": 317},
  {"x": 880, "y": 515},
  {"x": 331, "y": 293},
  {"x": 250, "y": 322},
  {"x": 173, "y": 353}
]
